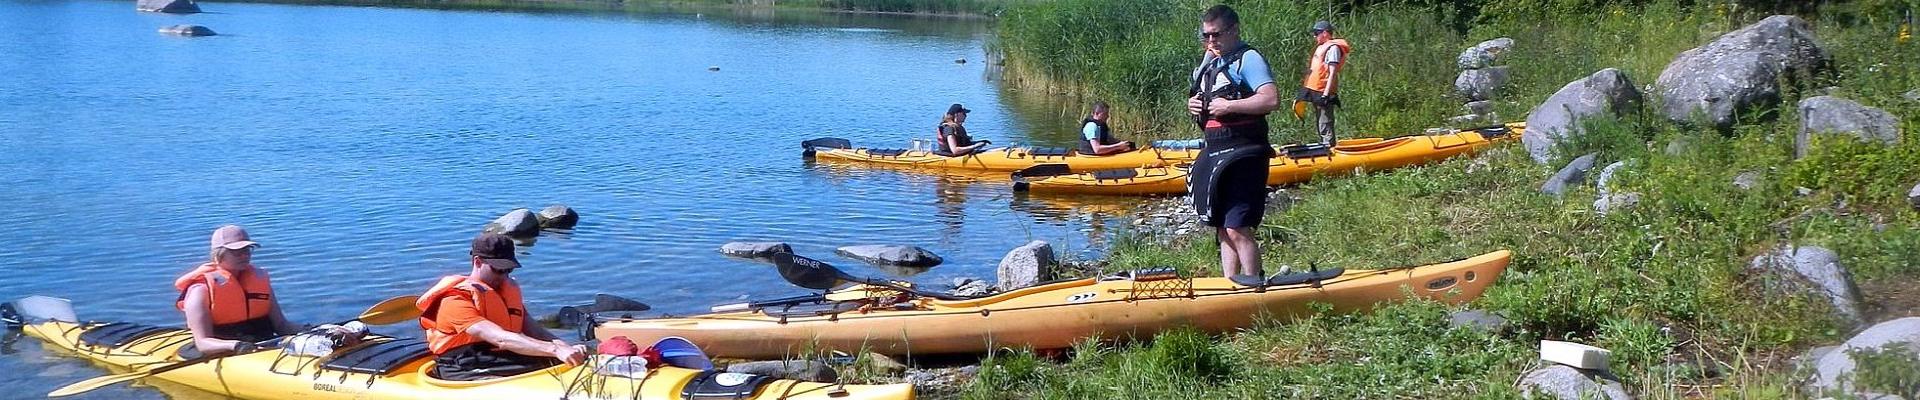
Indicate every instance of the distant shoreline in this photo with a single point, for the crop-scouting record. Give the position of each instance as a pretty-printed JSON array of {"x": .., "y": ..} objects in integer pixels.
[{"x": 605, "y": 5}]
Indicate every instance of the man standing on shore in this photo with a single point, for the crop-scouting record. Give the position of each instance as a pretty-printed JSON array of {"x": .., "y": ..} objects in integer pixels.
[
  {"x": 1319, "y": 87},
  {"x": 1233, "y": 92}
]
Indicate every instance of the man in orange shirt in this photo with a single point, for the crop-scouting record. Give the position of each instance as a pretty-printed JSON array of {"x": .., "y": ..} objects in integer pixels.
[{"x": 477, "y": 325}]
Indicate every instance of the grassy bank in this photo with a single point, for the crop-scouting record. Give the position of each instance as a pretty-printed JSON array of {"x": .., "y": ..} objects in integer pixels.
[{"x": 1662, "y": 284}]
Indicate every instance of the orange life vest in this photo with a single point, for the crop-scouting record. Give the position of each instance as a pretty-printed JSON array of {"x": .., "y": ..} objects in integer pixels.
[
  {"x": 1318, "y": 70},
  {"x": 232, "y": 298},
  {"x": 504, "y": 307}
]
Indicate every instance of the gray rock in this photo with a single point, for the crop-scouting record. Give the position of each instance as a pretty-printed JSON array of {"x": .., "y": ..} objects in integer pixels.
[
  {"x": 558, "y": 216},
  {"x": 891, "y": 255},
  {"x": 1482, "y": 107},
  {"x": 1466, "y": 120},
  {"x": 1605, "y": 182},
  {"x": 754, "y": 249},
  {"x": 1807, "y": 362},
  {"x": 1572, "y": 174},
  {"x": 1790, "y": 270},
  {"x": 1747, "y": 180},
  {"x": 519, "y": 223},
  {"x": 1739, "y": 71},
  {"x": 1610, "y": 202},
  {"x": 1913, "y": 196},
  {"x": 1026, "y": 265},
  {"x": 1912, "y": 95},
  {"x": 167, "y": 6},
  {"x": 1833, "y": 370},
  {"x": 1477, "y": 320},
  {"x": 1679, "y": 146},
  {"x": 970, "y": 287},
  {"x": 806, "y": 370},
  {"x": 1484, "y": 54},
  {"x": 1607, "y": 92},
  {"x": 1567, "y": 383},
  {"x": 881, "y": 363},
  {"x": 187, "y": 30},
  {"x": 1830, "y": 115},
  {"x": 1481, "y": 84}
]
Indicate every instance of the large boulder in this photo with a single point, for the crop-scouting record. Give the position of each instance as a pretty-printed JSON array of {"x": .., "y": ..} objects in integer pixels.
[
  {"x": 1481, "y": 84},
  {"x": 167, "y": 6},
  {"x": 520, "y": 223},
  {"x": 1570, "y": 175},
  {"x": 1484, "y": 54},
  {"x": 1834, "y": 371},
  {"x": 1026, "y": 265},
  {"x": 1568, "y": 383},
  {"x": 1739, "y": 71},
  {"x": 754, "y": 249},
  {"x": 1792, "y": 270},
  {"x": 187, "y": 30},
  {"x": 1607, "y": 92},
  {"x": 558, "y": 216},
  {"x": 805, "y": 370},
  {"x": 891, "y": 255},
  {"x": 1836, "y": 116}
]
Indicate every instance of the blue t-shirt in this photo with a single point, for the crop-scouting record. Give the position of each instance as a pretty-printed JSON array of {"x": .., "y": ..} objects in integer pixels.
[
  {"x": 1252, "y": 70},
  {"x": 1090, "y": 131}
]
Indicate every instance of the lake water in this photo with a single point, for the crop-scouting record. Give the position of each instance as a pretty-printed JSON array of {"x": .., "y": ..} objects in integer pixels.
[{"x": 364, "y": 147}]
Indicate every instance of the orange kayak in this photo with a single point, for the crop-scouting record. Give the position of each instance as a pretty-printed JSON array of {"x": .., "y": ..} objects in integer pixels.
[{"x": 1054, "y": 315}]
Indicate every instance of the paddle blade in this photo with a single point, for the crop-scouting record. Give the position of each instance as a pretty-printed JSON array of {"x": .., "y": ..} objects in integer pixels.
[
  {"x": 37, "y": 309},
  {"x": 95, "y": 383},
  {"x": 392, "y": 311},
  {"x": 826, "y": 143},
  {"x": 1042, "y": 171},
  {"x": 605, "y": 302},
  {"x": 806, "y": 272}
]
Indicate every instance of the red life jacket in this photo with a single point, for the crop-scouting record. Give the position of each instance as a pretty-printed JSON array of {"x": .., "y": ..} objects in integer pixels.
[
  {"x": 232, "y": 298},
  {"x": 503, "y": 307}
]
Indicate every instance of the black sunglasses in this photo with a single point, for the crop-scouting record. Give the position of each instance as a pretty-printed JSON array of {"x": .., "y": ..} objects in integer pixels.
[
  {"x": 1214, "y": 35},
  {"x": 500, "y": 271}
]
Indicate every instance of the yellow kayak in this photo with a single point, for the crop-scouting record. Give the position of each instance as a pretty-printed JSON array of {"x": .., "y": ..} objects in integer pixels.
[
  {"x": 1048, "y": 316},
  {"x": 994, "y": 159},
  {"x": 1294, "y": 165},
  {"x": 392, "y": 368}
]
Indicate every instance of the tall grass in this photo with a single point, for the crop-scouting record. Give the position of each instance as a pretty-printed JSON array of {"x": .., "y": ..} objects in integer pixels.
[{"x": 1664, "y": 284}]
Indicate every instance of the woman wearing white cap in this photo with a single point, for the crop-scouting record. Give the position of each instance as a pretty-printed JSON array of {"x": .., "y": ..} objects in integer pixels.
[{"x": 228, "y": 302}]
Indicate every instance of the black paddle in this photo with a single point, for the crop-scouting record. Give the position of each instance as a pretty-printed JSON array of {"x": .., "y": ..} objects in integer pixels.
[
  {"x": 809, "y": 146},
  {"x": 570, "y": 316},
  {"x": 1042, "y": 171},
  {"x": 814, "y": 274}
]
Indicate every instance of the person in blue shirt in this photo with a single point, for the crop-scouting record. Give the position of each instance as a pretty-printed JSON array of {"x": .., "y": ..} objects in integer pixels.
[
  {"x": 1232, "y": 92},
  {"x": 1097, "y": 137}
]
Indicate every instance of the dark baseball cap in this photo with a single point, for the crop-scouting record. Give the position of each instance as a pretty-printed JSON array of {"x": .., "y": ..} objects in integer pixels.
[
  {"x": 957, "y": 109},
  {"x": 1321, "y": 26},
  {"x": 496, "y": 250}
]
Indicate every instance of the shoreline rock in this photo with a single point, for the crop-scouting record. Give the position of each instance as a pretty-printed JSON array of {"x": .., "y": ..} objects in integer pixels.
[{"x": 891, "y": 255}]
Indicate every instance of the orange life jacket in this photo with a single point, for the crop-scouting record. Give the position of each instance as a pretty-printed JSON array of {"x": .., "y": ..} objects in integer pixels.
[
  {"x": 504, "y": 307},
  {"x": 1318, "y": 70},
  {"x": 232, "y": 298}
]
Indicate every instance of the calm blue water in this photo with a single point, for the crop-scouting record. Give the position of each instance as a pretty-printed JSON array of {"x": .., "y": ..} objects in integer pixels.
[{"x": 365, "y": 146}]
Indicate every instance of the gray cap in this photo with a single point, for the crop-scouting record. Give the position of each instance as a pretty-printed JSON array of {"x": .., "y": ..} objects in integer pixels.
[{"x": 1321, "y": 26}]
